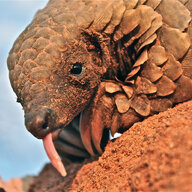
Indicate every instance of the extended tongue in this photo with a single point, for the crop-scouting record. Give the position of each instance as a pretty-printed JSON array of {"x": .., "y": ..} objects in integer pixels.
[{"x": 53, "y": 155}]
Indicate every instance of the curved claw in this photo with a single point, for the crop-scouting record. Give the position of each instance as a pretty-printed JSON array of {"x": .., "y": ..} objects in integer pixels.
[
  {"x": 85, "y": 130},
  {"x": 97, "y": 128},
  {"x": 115, "y": 124},
  {"x": 92, "y": 122}
]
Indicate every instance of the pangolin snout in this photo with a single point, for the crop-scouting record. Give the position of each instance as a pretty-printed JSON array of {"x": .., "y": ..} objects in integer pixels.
[{"x": 40, "y": 122}]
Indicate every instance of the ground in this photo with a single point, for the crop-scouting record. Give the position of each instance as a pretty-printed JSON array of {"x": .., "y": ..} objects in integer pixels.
[{"x": 153, "y": 155}]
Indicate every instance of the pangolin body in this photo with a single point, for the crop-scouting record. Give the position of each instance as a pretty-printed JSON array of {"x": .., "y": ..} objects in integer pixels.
[{"x": 111, "y": 62}]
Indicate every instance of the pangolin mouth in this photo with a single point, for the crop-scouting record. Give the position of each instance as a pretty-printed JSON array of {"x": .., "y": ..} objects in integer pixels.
[
  {"x": 49, "y": 145},
  {"x": 79, "y": 138}
]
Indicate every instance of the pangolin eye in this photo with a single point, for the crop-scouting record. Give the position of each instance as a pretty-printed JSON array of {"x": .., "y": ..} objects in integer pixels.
[{"x": 77, "y": 69}]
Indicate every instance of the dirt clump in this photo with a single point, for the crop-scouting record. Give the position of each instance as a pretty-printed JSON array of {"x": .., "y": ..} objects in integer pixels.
[
  {"x": 153, "y": 155},
  {"x": 14, "y": 185}
]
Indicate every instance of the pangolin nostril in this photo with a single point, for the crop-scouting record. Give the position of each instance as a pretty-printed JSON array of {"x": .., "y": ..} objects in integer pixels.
[{"x": 38, "y": 122}]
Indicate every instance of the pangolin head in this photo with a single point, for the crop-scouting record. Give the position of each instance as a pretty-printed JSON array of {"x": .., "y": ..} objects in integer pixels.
[{"x": 55, "y": 68}]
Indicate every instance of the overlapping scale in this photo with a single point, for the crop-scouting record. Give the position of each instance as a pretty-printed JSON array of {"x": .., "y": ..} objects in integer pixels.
[
  {"x": 130, "y": 16},
  {"x": 128, "y": 119},
  {"x": 111, "y": 87},
  {"x": 118, "y": 12},
  {"x": 152, "y": 72},
  {"x": 128, "y": 90},
  {"x": 103, "y": 15},
  {"x": 141, "y": 105},
  {"x": 153, "y": 3},
  {"x": 160, "y": 104},
  {"x": 141, "y": 2},
  {"x": 188, "y": 5},
  {"x": 165, "y": 86},
  {"x": 144, "y": 86},
  {"x": 174, "y": 41},
  {"x": 148, "y": 41},
  {"x": 183, "y": 91},
  {"x": 183, "y": 1},
  {"x": 157, "y": 55},
  {"x": 147, "y": 15},
  {"x": 122, "y": 103},
  {"x": 142, "y": 59},
  {"x": 187, "y": 64},
  {"x": 147, "y": 37},
  {"x": 130, "y": 4},
  {"x": 172, "y": 68},
  {"x": 174, "y": 14}
]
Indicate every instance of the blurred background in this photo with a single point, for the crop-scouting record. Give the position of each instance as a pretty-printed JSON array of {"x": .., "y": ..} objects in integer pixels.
[{"x": 21, "y": 154}]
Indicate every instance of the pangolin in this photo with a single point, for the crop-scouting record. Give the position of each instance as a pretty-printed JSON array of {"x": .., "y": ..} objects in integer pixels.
[{"x": 82, "y": 68}]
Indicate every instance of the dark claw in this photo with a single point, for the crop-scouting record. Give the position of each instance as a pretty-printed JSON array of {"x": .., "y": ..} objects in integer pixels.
[
  {"x": 66, "y": 149},
  {"x": 70, "y": 135},
  {"x": 69, "y": 141},
  {"x": 85, "y": 131},
  {"x": 97, "y": 130}
]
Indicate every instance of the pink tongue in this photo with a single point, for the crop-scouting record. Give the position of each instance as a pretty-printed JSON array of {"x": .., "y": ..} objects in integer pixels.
[{"x": 53, "y": 155}]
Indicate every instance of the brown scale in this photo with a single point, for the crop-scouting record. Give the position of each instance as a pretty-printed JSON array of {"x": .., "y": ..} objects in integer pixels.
[{"x": 135, "y": 57}]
